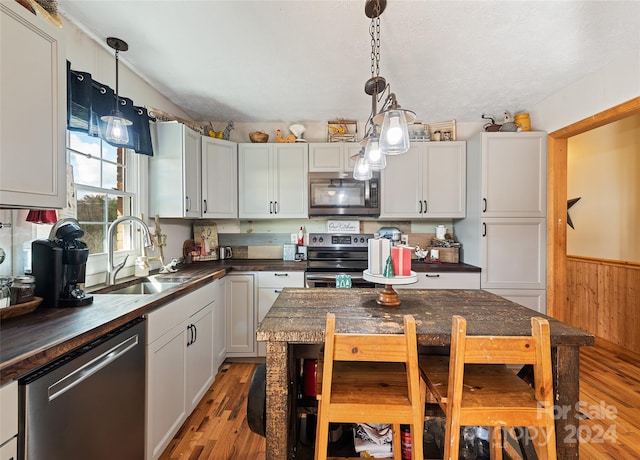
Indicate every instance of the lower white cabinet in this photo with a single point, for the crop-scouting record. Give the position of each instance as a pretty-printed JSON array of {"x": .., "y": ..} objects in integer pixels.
[
  {"x": 241, "y": 324},
  {"x": 444, "y": 280},
  {"x": 219, "y": 324},
  {"x": 180, "y": 363},
  {"x": 270, "y": 284},
  {"x": 535, "y": 299},
  {"x": 9, "y": 421}
]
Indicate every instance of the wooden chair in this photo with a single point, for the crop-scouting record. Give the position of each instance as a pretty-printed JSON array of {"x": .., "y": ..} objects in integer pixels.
[
  {"x": 474, "y": 386},
  {"x": 371, "y": 378}
]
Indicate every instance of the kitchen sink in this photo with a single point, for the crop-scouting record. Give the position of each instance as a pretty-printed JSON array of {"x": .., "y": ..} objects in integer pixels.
[{"x": 147, "y": 285}]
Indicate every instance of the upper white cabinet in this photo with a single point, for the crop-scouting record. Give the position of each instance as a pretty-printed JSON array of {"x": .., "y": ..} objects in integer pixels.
[
  {"x": 272, "y": 180},
  {"x": 33, "y": 111},
  {"x": 333, "y": 156},
  {"x": 174, "y": 171},
  {"x": 513, "y": 179},
  {"x": 429, "y": 181},
  {"x": 219, "y": 179}
]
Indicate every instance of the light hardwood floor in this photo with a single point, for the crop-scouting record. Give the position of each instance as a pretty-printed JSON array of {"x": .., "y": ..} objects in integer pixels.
[{"x": 609, "y": 395}]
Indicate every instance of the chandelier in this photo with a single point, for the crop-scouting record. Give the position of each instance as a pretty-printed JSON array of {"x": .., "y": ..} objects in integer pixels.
[
  {"x": 393, "y": 138},
  {"x": 117, "y": 131}
]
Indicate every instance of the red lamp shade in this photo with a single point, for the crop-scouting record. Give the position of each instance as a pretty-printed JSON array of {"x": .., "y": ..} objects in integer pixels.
[{"x": 48, "y": 216}]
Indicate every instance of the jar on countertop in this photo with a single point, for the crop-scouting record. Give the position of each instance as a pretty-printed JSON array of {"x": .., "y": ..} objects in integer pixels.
[
  {"x": 23, "y": 289},
  {"x": 5, "y": 291}
]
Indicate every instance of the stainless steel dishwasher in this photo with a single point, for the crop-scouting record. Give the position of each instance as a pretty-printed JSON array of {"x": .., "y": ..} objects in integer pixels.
[{"x": 89, "y": 403}]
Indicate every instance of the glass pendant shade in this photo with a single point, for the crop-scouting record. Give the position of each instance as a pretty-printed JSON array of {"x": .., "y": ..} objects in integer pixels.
[
  {"x": 394, "y": 135},
  {"x": 117, "y": 131},
  {"x": 362, "y": 170},
  {"x": 374, "y": 156}
]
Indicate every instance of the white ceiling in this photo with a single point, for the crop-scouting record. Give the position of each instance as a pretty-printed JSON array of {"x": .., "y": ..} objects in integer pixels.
[{"x": 308, "y": 60}]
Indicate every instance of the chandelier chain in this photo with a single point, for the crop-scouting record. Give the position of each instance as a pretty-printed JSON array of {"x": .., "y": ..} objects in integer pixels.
[{"x": 374, "y": 31}]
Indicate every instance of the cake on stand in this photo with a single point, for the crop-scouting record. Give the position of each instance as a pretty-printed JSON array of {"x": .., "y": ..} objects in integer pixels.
[{"x": 388, "y": 297}]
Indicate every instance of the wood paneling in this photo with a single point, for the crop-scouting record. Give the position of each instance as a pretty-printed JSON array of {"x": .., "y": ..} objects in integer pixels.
[{"x": 603, "y": 298}]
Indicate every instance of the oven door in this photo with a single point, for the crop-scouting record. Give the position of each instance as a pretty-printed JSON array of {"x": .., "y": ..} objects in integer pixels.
[{"x": 328, "y": 280}]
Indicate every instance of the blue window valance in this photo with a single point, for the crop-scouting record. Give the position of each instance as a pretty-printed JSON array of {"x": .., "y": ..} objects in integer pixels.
[{"x": 88, "y": 101}]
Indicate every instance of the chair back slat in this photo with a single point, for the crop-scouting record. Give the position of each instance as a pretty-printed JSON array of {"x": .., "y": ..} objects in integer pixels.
[
  {"x": 503, "y": 350},
  {"x": 389, "y": 348}
]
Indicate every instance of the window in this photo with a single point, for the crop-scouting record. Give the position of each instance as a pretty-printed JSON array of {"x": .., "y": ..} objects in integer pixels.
[{"x": 105, "y": 190}]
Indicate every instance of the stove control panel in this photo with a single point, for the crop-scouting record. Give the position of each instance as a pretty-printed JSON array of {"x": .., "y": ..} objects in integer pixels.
[{"x": 333, "y": 240}]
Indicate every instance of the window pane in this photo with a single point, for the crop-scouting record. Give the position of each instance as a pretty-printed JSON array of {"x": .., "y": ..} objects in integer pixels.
[
  {"x": 85, "y": 170},
  {"x": 110, "y": 176},
  {"x": 94, "y": 237},
  {"x": 85, "y": 144},
  {"x": 91, "y": 207},
  {"x": 109, "y": 152}
]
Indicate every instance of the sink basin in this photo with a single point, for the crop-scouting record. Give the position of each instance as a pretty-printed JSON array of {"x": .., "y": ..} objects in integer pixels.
[{"x": 145, "y": 287}]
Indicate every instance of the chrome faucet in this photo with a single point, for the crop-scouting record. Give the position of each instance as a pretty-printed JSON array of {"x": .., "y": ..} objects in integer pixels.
[{"x": 112, "y": 270}]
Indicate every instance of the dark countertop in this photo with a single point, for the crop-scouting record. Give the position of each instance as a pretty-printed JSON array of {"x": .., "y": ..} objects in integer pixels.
[{"x": 29, "y": 341}]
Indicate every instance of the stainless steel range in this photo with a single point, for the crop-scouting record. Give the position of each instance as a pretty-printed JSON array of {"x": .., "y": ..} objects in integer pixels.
[{"x": 330, "y": 254}]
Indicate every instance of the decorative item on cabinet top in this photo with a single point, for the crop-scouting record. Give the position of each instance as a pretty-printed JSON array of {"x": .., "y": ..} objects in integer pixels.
[
  {"x": 258, "y": 137},
  {"x": 342, "y": 130}
]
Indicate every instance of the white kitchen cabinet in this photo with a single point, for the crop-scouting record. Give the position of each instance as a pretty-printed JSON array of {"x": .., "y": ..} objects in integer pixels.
[
  {"x": 9, "y": 421},
  {"x": 535, "y": 299},
  {"x": 429, "y": 181},
  {"x": 33, "y": 111},
  {"x": 179, "y": 364},
  {"x": 175, "y": 188},
  {"x": 272, "y": 180},
  {"x": 241, "y": 316},
  {"x": 219, "y": 179},
  {"x": 333, "y": 156},
  {"x": 504, "y": 232},
  {"x": 513, "y": 178},
  {"x": 270, "y": 284},
  {"x": 444, "y": 280}
]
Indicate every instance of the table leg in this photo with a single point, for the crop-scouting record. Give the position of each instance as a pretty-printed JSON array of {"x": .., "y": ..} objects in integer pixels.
[
  {"x": 566, "y": 371},
  {"x": 277, "y": 400}
]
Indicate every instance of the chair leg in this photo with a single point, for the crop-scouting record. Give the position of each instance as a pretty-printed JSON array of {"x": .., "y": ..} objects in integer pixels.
[
  {"x": 417, "y": 430},
  {"x": 495, "y": 437},
  {"x": 545, "y": 442},
  {"x": 452, "y": 438},
  {"x": 397, "y": 442},
  {"x": 322, "y": 436}
]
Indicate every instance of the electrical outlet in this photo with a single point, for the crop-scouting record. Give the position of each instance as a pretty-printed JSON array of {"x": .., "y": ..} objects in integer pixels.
[
  {"x": 294, "y": 238},
  {"x": 404, "y": 239}
]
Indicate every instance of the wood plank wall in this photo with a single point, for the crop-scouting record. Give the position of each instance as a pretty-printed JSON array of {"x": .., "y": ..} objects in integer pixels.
[{"x": 603, "y": 298}]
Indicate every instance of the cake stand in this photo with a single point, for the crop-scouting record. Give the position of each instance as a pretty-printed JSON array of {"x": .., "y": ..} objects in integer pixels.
[{"x": 389, "y": 297}]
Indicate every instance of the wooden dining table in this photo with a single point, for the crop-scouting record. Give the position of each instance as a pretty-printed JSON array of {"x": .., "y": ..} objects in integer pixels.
[{"x": 296, "y": 322}]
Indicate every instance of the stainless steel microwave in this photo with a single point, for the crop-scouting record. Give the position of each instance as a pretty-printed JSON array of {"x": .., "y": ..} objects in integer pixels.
[{"x": 335, "y": 194}]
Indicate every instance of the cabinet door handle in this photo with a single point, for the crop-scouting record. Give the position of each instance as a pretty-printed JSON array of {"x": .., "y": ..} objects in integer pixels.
[
  {"x": 280, "y": 274},
  {"x": 186, "y": 203},
  {"x": 195, "y": 333},
  {"x": 205, "y": 206},
  {"x": 484, "y": 205},
  {"x": 420, "y": 201},
  {"x": 277, "y": 291},
  {"x": 437, "y": 275},
  {"x": 270, "y": 207},
  {"x": 276, "y": 207},
  {"x": 484, "y": 229},
  {"x": 189, "y": 342},
  {"x": 425, "y": 206}
]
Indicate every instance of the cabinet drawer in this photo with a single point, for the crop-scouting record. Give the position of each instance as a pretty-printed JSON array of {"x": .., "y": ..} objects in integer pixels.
[
  {"x": 444, "y": 280},
  {"x": 164, "y": 318},
  {"x": 281, "y": 279}
]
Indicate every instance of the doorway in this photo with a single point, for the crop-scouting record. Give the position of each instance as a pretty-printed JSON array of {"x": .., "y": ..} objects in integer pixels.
[{"x": 557, "y": 201}]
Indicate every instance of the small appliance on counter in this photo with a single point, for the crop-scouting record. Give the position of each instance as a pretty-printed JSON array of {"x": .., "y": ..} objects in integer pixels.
[
  {"x": 391, "y": 233},
  {"x": 59, "y": 265}
]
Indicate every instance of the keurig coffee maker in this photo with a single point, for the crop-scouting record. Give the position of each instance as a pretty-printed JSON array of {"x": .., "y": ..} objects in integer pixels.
[{"x": 59, "y": 265}]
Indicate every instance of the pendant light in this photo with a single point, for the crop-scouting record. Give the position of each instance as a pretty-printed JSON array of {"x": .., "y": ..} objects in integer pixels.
[
  {"x": 362, "y": 169},
  {"x": 117, "y": 131},
  {"x": 391, "y": 118}
]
